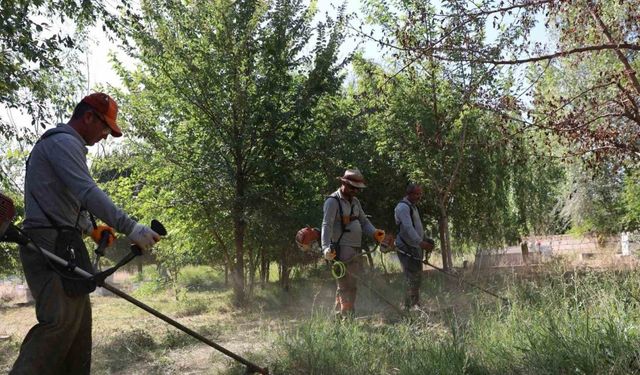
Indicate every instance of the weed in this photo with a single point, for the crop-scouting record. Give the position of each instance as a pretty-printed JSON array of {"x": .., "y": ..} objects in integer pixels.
[
  {"x": 200, "y": 278},
  {"x": 125, "y": 348}
]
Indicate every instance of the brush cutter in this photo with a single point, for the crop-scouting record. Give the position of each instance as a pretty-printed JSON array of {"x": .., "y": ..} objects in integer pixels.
[
  {"x": 11, "y": 233},
  {"x": 425, "y": 261}
]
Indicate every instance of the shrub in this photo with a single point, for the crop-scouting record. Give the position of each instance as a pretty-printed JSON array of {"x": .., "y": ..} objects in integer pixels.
[{"x": 199, "y": 278}]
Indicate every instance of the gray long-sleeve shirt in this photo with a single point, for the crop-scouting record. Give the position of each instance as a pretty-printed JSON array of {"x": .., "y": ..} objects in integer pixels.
[
  {"x": 411, "y": 231},
  {"x": 332, "y": 227},
  {"x": 58, "y": 177}
]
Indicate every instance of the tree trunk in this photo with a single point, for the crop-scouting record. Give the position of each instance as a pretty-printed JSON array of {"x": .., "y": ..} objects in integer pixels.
[
  {"x": 226, "y": 274},
  {"x": 264, "y": 268},
  {"x": 443, "y": 225},
  {"x": 251, "y": 273},
  {"x": 239, "y": 226},
  {"x": 284, "y": 270}
]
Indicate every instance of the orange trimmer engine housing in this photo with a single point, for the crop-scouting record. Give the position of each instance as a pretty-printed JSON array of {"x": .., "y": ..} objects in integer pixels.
[{"x": 308, "y": 239}]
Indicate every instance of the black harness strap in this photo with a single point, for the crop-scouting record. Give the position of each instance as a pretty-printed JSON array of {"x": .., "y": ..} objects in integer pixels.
[
  {"x": 336, "y": 244},
  {"x": 413, "y": 223}
]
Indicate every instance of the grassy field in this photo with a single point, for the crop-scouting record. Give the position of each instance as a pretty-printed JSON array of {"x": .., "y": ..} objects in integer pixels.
[{"x": 559, "y": 321}]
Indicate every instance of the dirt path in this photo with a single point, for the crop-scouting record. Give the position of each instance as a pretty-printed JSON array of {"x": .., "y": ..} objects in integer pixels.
[{"x": 128, "y": 340}]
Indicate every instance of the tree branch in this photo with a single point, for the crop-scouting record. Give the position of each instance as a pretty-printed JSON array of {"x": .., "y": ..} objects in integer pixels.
[
  {"x": 601, "y": 47},
  {"x": 629, "y": 71}
]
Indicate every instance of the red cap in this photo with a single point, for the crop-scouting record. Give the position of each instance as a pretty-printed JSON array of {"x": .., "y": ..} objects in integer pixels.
[{"x": 105, "y": 106}]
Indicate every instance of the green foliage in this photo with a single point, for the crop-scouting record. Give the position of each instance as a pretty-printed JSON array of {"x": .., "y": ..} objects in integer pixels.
[
  {"x": 595, "y": 203},
  {"x": 9, "y": 176},
  {"x": 589, "y": 99},
  {"x": 149, "y": 288},
  {"x": 631, "y": 201},
  {"x": 189, "y": 306},
  {"x": 41, "y": 42},
  {"x": 149, "y": 282},
  {"x": 199, "y": 278},
  {"x": 224, "y": 92}
]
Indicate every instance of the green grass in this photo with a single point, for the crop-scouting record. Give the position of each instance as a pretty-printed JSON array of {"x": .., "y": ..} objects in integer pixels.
[
  {"x": 562, "y": 323},
  {"x": 199, "y": 278},
  {"x": 558, "y": 322}
]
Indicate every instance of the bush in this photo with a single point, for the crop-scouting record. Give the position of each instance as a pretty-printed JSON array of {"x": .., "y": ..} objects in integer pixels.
[
  {"x": 149, "y": 288},
  {"x": 199, "y": 278},
  {"x": 189, "y": 306}
]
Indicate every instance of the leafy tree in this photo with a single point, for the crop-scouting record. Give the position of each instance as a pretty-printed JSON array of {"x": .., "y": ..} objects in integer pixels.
[
  {"x": 631, "y": 201},
  {"x": 223, "y": 92},
  {"x": 594, "y": 203},
  {"x": 437, "y": 122},
  {"x": 590, "y": 97},
  {"x": 39, "y": 42}
]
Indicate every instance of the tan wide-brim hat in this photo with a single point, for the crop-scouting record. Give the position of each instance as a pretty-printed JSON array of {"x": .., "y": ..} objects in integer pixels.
[{"x": 354, "y": 178}]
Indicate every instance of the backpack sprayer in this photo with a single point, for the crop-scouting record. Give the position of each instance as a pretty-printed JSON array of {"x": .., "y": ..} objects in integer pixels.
[{"x": 11, "y": 233}]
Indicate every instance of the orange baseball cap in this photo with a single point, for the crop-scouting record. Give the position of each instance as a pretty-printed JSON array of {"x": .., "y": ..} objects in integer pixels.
[{"x": 105, "y": 106}]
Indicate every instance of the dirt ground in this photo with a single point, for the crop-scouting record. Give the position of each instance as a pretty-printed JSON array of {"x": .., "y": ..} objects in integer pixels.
[{"x": 127, "y": 340}]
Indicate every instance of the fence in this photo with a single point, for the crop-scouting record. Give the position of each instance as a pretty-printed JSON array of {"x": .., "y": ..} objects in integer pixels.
[{"x": 542, "y": 248}]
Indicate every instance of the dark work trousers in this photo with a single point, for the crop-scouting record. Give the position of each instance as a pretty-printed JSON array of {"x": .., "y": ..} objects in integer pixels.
[
  {"x": 348, "y": 286},
  {"x": 412, "y": 270},
  {"x": 60, "y": 343}
]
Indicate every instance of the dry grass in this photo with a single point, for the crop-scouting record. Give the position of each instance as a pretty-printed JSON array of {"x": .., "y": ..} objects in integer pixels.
[{"x": 127, "y": 340}]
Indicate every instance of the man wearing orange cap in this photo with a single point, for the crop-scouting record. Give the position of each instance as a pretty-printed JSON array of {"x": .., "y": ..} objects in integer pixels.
[
  {"x": 343, "y": 222},
  {"x": 59, "y": 194}
]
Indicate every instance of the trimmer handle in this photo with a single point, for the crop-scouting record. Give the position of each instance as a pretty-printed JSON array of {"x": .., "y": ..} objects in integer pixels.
[{"x": 158, "y": 228}]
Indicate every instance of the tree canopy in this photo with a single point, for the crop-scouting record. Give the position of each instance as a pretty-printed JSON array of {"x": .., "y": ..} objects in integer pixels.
[{"x": 239, "y": 115}]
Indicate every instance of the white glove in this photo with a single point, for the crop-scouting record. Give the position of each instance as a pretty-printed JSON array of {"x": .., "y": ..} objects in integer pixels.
[
  {"x": 144, "y": 236},
  {"x": 329, "y": 253}
]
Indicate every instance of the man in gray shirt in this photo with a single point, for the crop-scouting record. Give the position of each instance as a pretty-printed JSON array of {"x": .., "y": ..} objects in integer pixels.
[
  {"x": 411, "y": 243},
  {"x": 341, "y": 237},
  {"x": 59, "y": 190}
]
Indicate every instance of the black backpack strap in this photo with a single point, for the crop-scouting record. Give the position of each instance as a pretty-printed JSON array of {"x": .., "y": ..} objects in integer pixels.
[
  {"x": 413, "y": 224},
  {"x": 342, "y": 224},
  {"x": 411, "y": 208},
  {"x": 340, "y": 211}
]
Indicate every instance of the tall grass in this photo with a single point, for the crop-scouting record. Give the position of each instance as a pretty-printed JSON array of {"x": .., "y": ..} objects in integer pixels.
[{"x": 583, "y": 322}]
